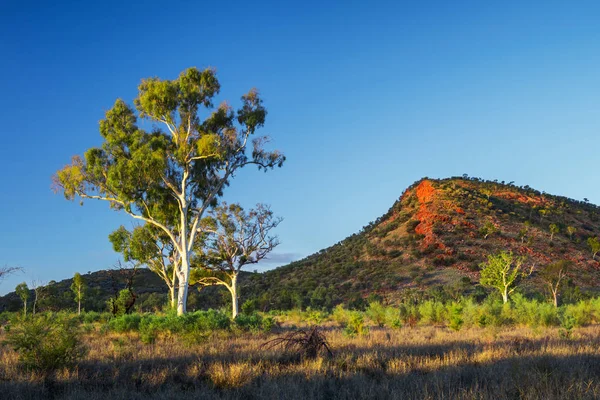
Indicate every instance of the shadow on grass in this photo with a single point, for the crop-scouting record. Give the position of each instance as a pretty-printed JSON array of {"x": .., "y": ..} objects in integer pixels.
[{"x": 350, "y": 374}]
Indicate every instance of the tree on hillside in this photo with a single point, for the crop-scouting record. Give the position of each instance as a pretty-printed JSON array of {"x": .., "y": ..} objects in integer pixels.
[
  {"x": 594, "y": 244},
  {"x": 570, "y": 231},
  {"x": 553, "y": 275},
  {"x": 78, "y": 288},
  {"x": 554, "y": 229},
  {"x": 150, "y": 246},
  {"x": 236, "y": 238},
  {"x": 487, "y": 229},
  {"x": 22, "y": 290},
  {"x": 502, "y": 271},
  {"x": 170, "y": 177}
]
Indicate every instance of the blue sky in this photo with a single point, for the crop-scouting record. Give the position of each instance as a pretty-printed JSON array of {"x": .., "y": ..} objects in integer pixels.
[{"x": 364, "y": 99}]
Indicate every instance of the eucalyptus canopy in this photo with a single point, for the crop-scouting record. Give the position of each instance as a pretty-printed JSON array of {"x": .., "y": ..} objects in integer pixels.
[{"x": 169, "y": 176}]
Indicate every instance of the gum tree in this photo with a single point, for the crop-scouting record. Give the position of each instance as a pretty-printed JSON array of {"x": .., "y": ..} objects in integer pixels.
[
  {"x": 170, "y": 176},
  {"x": 22, "y": 290},
  {"x": 594, "y": 245},
  {"x": 236, "y": 238},
  {"x": 553, "y": 274},
  {"x": 78, "y": 288},
  {"x": 502, "y": 272}
]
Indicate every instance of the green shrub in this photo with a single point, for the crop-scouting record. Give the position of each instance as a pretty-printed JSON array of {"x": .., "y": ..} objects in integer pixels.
[
  {"x": 125, "y": 323},
  {"x": 356, "y": 325},
  {"x": 46, "y": 343},
  {"x": 376, "y": 313},
  {"x": 251, "y": 323},
  {"x": 90, "y": 317},
  {"x": 432, "y": 312},
  {"x": 249, "y": 306},
  {"x": 455, "y": 320}
]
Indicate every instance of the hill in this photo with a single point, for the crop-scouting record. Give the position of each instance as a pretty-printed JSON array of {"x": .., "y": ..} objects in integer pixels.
[
  {"x": 431, "y": 243},
  {"x": 434, "y": 238}
]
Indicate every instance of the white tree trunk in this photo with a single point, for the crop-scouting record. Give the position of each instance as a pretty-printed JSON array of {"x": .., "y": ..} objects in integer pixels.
[
  {"x": 172, "y": 299},
  {"x": 234, "y": 296},
  {"x": 182, "y": 292},
  {"x": 505, "y": 296},
  {"x": 79, "y": 305}
]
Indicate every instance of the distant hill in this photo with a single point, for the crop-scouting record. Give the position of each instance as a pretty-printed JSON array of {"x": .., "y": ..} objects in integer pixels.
[{"x": 433, "y": 238}]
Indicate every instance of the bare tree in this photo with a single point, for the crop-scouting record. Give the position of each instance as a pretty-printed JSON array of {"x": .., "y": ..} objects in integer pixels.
[
  {"x": 39, "y": 290},
  {"x": 236, "y": 239},
  {"x": 6, "y": 270}
]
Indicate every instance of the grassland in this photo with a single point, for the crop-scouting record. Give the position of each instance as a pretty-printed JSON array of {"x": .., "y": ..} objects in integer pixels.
[{"x": 422, "y": 362}]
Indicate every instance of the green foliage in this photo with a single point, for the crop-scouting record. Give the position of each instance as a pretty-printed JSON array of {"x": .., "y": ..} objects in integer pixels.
[
  {"x": 502, "y": 272},
  {"x": 594, "y": 245},
  {"x": 46, "y": 343},
  {"x": 122, "y": 304},
  {"x": 254, "y": 323},
  {"x": 432, "y": 312},
  {"x": 22, "y": 290},
  {"x": 125, "y": 323},
  {"x": 249, "y": 306},
  {"x": 356, "y": 325},
  {"x": 376, "y": 313}
]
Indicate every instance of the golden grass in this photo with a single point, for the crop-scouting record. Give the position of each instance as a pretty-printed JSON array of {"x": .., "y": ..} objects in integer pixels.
[{"x": 417, "y": 363}]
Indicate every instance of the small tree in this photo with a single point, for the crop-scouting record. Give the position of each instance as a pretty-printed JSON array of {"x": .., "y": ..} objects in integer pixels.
[
  {"x": 553, "y": 274},
  {"x": 78, "y": 288},
  {"x": 147, "y": 245},
  {"x": 22, "y": 290},
  {"x": 39, "y": 291},
  {"x": 570, "y": 231},
  {"x": 488, "y": 229},
  {"x": 502, "y": 272},
  {"x": 237, "y": 238},
  {"x": 594, "y": 244},
  {"x": 554, "y": 229}
]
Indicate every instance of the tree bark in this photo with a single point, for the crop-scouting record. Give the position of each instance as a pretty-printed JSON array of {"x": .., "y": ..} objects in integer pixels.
[
  {"x": 505, "y": 296},
  {"x": 182, "y": 292},
  {"x": 234, "y": 296},
  {"x": 172, "y": 299}
]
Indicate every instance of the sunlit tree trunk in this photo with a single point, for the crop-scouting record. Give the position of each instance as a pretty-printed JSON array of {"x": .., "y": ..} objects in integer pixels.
[{"x": 234, "y": 296}]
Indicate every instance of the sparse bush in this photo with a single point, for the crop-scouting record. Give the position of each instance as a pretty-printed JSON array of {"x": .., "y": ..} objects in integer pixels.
[{"x": 46, "y": 343}]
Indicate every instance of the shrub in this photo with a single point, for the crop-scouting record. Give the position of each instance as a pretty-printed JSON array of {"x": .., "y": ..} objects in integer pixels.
[
  {"x": 376, "y": 313},
  {"x": 125, "y": 323},
  {"x": 356, "y": 325},
  {"x": 432, "y": 312},
  {"x": 251, "y": 323},
  {"x": 46, "y": 343},
  {"x": 249, "y": 306},
  {"x": 90, "y": 317},
  {"x": 455, "y": 316}
]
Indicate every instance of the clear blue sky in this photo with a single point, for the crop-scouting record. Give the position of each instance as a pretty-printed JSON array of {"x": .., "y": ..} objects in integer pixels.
[{"x": 364, "y": 99}]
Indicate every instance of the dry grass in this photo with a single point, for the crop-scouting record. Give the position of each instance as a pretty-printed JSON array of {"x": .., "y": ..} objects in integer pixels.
[{"x": 418, "y": 363}]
